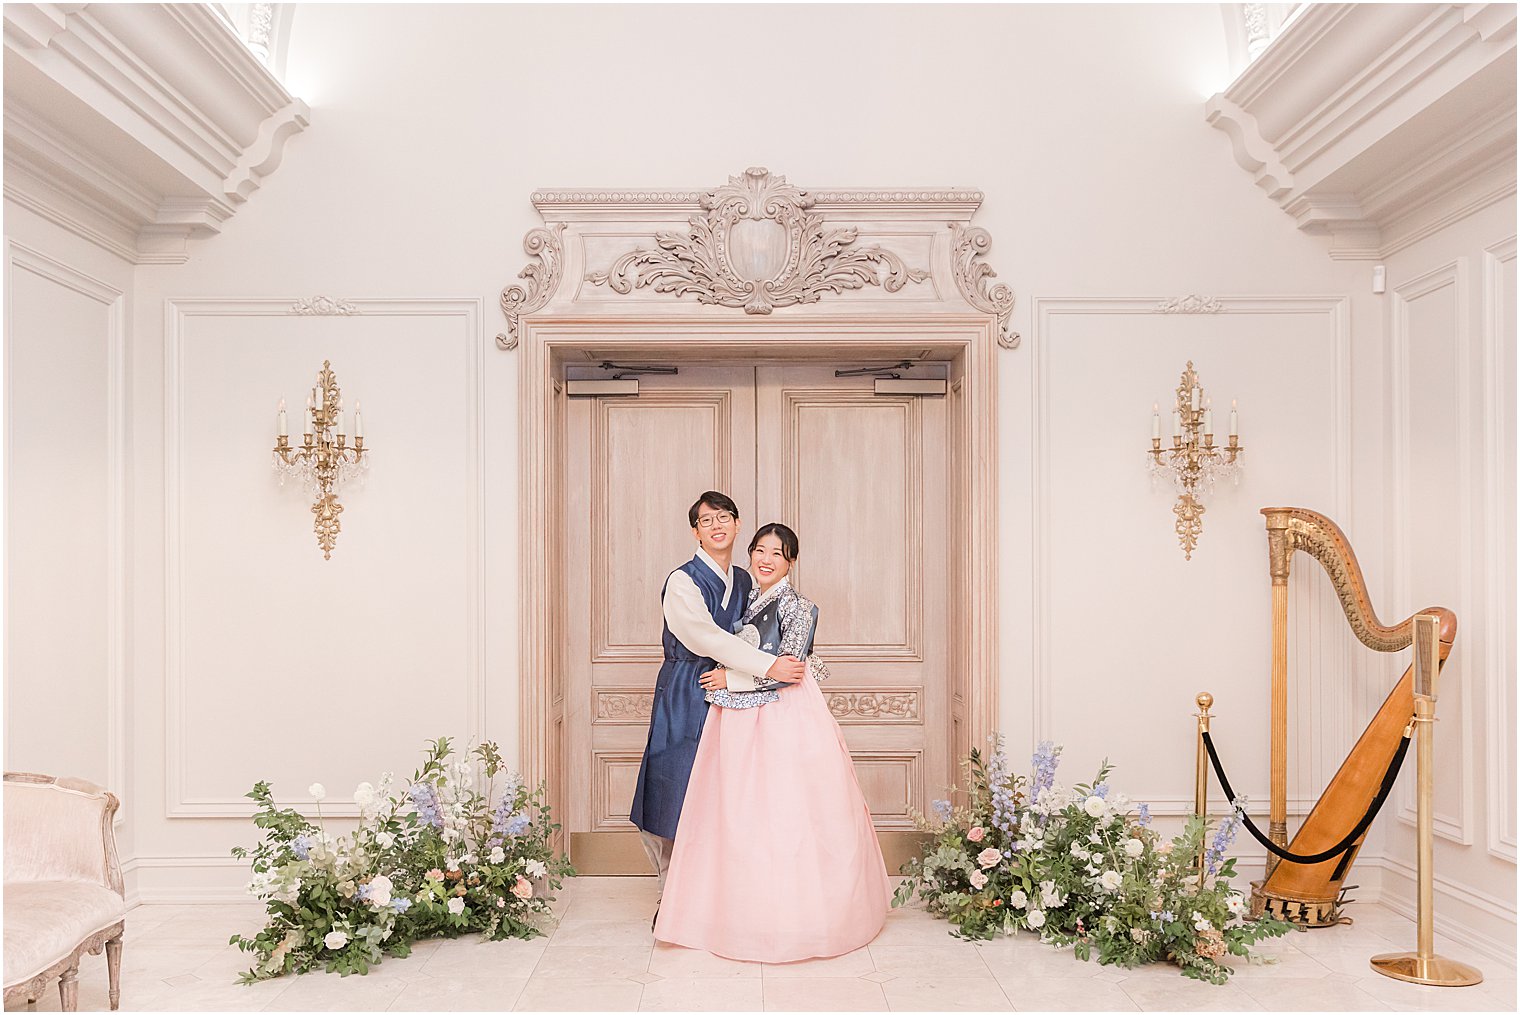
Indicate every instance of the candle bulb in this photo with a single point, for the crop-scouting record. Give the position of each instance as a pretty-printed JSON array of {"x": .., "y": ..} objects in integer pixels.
[
  {"x": 1176, "y": 424},
  {"x": 340, "y": 422},
  {"x": 318, "y": 390},
  {"x": 1208, "y": 422},
  {"x": 284, "y": 431},
  {"x": 358, "y": 419},
  {"x": 1155, "y": 421},
  {"x": 1196, "y": 392},
  {"x": 1234, "y": 419}
]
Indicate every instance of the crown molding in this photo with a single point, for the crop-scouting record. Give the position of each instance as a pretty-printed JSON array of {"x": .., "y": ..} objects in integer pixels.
[
  {"x": 138, "y": 126},
  {"x": 1374, "y": 123}
]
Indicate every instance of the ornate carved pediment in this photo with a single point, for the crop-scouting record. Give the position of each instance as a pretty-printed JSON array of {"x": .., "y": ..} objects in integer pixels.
[
  {"x": 758, "y": 243},
  {"x": 758, "y": 247}
]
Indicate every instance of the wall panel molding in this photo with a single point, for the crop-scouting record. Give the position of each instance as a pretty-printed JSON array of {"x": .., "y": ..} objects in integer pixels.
[
  {"x": 19, "y": 257},
  {"x": 178, "y": 802},
  {"x": 1453, "y": 826},
  {"x": 1499, "y": 553},
  {"x": 1320, "y": 655}
]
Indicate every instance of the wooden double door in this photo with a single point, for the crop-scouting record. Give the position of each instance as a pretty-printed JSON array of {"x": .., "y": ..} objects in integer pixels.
[{"x": 862, "y": 478}]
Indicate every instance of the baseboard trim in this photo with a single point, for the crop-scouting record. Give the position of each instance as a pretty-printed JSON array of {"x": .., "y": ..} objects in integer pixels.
[{"x": 1468, "y": 916}]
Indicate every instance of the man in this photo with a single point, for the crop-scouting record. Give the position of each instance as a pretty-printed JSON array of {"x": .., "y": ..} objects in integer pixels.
[{"x": 703, "y": 601}]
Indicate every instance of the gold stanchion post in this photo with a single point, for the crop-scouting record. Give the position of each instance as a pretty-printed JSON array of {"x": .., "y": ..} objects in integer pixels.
[
  {"x": 1423, "y": 965},
  {"x": 1201, "y": 776}
]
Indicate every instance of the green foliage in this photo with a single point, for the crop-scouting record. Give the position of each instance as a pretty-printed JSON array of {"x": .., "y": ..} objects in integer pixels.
[
  {"x": 1079, "y": 867},
  {"x": 449, "y": 856}
]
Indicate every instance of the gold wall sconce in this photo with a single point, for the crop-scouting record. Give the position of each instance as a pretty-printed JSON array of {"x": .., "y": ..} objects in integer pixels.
[
  {"x": 324, "y": 461},
  {"x": 1193, "y": 462}
]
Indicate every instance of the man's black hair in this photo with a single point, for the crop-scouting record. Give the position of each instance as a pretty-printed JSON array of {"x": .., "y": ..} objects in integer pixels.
[{"x": 715, "y": 500}]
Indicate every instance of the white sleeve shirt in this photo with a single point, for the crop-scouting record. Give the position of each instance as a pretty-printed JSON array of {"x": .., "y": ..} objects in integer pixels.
[{"x": 687, "y": 617}]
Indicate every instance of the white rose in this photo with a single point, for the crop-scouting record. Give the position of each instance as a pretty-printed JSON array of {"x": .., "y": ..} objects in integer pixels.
[
  {"x": 1095, "y": 806},
  {"x": 1018, "y": 900},
  {"x": 317, "y": 791},
  {"x": 335, "y": 940},
  {"x": 1036, "y": 919},
  {"x": 385, "y": 840},
  {"x": 498, "y": 854},
  {"x": 978, "y": 880},
  {"x": 537, "y": 869},
  {"x": 1111, "y": 880},
  {"x": 380, "y": 891},
  {"x": 456, "y": 905},
  {"x": 1134, "y": 847}
]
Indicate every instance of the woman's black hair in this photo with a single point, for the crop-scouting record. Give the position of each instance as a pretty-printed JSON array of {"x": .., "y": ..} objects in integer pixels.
[
  {"x": 713, "y": 499},
  {"x": 788, "y": 539}
]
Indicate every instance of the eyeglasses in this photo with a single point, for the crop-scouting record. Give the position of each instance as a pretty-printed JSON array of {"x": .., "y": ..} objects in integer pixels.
[{"x": 708, "y": 521}]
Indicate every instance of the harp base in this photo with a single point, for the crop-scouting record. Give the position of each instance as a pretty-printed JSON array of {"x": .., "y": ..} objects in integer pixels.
[
  {"x": 1434, "y": 970},
  {"x": 1300, "y": 912}
]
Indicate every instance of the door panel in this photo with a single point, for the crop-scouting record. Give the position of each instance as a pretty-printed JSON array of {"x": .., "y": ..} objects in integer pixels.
[
  {"x": 632, "y": 468},
  {"x": 862, "y": 479}
]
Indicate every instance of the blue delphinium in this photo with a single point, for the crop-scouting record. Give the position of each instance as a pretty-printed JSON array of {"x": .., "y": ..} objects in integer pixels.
[
  {"x": 362, "y": 895},
  {"x": 1101, "y": 791},
  {"x": 401, "y": 905},
  {"x": 301, "y": 846},
  {"x": 1046, "y": 757},
  {"x": 941, "y": 809},
  {"x": 505, "y": 823},
  {"x": 1004, "y": 818},
  {"x": 426, "y": 801},
  {"x": 1223, "y": 836},
  {"x": 1144, "y": 818}
]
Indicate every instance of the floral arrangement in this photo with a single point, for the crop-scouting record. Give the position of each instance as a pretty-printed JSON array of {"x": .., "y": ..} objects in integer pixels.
[
  {"x": 1080, "y": 868},
  {"x": 453, "y": 854}
]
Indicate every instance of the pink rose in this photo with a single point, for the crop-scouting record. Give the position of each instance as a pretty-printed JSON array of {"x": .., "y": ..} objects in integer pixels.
[
  {"x": 989, "y": 857},
  {"x": 978, "y": 880},
  {"x": 977, "y": 834},
  {"x": 434, "y": 875},
  {"x": 523, "y": 889}
]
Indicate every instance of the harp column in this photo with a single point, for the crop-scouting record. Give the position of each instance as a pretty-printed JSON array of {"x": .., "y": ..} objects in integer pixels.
[{"x": 1280, "y": 547}]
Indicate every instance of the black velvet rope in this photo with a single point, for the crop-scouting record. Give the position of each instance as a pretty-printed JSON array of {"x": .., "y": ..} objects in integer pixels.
[{"x": 1389, "y": 777}]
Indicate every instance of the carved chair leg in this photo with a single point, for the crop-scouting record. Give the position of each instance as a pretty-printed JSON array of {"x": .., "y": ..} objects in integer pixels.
[
  {"x": 68, "y": 989},
  {"x": 113, "y": 968}
]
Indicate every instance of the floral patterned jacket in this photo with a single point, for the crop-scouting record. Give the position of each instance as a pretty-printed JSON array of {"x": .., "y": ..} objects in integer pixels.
[{"x": 787, "y": 629}]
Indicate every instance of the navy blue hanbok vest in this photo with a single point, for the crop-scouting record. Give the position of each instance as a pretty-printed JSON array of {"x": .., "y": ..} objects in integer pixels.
[{"x": 680, "y": 708}]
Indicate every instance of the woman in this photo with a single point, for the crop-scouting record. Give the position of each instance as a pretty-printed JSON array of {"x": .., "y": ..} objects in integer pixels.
[{"x": 775, "y": 859}]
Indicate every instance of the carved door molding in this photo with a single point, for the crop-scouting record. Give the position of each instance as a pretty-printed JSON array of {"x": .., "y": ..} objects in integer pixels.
[{"x": 758, "y": 271}]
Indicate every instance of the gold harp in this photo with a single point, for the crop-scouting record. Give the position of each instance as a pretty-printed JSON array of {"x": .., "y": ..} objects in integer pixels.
[{"x": 1309, "y": 894}]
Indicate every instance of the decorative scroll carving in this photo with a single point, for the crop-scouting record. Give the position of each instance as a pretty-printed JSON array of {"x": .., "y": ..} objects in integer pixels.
[
  {"x": 875, "y": 706},
  {"x": 623, "y": 707},
  {"x": 540, "y": 280},
  {"x": 1190, "y": 305},
  {"x": 324, "y": 306},
  {"x": 758, "y": 247},
  {"x": 968, "y": 243}
]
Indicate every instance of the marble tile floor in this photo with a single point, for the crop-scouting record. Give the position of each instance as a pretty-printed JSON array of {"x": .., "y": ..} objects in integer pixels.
[{"x": 600, "y": 957}]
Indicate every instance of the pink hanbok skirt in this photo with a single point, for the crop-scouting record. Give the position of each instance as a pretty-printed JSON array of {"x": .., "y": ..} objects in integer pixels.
[{"x": 775, "y": 858}]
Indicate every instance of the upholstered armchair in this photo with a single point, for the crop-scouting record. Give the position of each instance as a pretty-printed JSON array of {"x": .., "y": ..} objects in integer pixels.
[{"x": 63, "y": 888}]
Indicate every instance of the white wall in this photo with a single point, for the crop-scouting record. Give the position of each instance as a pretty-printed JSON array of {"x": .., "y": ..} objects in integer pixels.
[
  {"x": 67, "y": 705},
  {"x": 1449, "y": 322},
  {"x": 1106, "y": 194}
]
